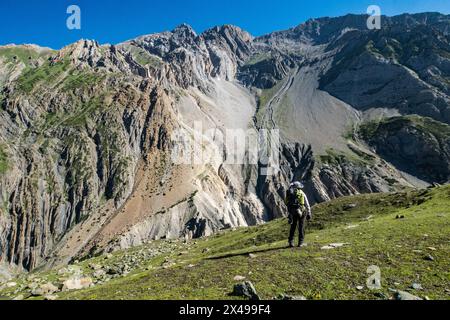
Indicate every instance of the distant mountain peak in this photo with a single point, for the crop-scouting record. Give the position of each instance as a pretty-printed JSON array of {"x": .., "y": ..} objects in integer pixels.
[{"x": 185, "y": 29}]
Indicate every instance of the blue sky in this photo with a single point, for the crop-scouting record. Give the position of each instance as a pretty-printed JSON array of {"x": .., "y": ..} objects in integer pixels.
[{"x": 44, "y": 21}]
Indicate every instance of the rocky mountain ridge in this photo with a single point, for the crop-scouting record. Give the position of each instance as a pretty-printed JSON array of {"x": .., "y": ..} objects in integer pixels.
[{"x": 87, "y": 132}]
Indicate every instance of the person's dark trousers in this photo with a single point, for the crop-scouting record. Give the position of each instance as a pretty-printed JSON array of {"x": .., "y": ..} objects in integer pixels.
[{"x": 299, "y": 222}]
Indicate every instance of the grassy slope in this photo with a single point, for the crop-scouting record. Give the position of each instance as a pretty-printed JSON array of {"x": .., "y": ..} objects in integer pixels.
[
  {"x": 144, "y": 58},
  {"x": 397, "y": 246},
  {"x": 3, "y": 160},
  {"x": 426, "y": 125},
  {"x": 15, "y": 54}
]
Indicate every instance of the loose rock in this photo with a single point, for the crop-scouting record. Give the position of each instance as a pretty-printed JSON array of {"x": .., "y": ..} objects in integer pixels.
[
  {"x": 417, "y": 286},
  {"x": 288, "y": 297},
  {"x": 333, "y": 246},
  {"x": 429, "y": 258},
  {"x": 246, "y": 289},
  {"x": 350, "y": 206},
  {"x": 99, "y": 273},
  {"x": 402, "y": 295},
  {"x": 380, "y": 295}
]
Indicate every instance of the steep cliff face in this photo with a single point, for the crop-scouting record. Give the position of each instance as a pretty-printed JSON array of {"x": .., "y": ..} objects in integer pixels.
[
  {"x": 88, "y": 134},
  {"x": 73, "y": 128},
  {"x": 419, "y": 146},
  {"x": 406, "y": 69}
]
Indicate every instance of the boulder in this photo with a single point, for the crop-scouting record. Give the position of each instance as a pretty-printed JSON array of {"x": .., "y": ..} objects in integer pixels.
[
  {"x": 99, "y": 273},
  {"x": 94, "y": 266},
  {"x": 416, "y": 286},
  {"x": 350, "y": 206},
  {"x": 429, "y": 258},
  {"x": 333, "y": 246},
  {"x": 77, "y": 283},
  {"x": 62, "y": 271},
  {"x": 289, "y": 297},
  {"x": 246, "y": 289},
  {"x": 32, "y": 285},
  {"x": 403, "y": 295},
  {"x": 45, "y": 289}
]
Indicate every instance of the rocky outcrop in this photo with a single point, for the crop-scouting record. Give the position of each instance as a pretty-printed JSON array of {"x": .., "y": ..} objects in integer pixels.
[
  {"x": 265, "y": 70},
  {"x": 419, "y": 146},
  {"x": 406, "y": 70},
  {"x": 70, "y": 149}
]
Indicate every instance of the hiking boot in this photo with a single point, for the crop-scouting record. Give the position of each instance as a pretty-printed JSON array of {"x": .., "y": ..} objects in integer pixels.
[{"x": 291, "y": 244}]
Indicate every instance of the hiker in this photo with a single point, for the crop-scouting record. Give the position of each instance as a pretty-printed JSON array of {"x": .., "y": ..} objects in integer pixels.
[{"x": 299, "y": 210}]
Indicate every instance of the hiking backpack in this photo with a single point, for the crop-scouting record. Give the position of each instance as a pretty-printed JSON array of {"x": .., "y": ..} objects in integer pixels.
[{"x": 295, "y": 198}]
